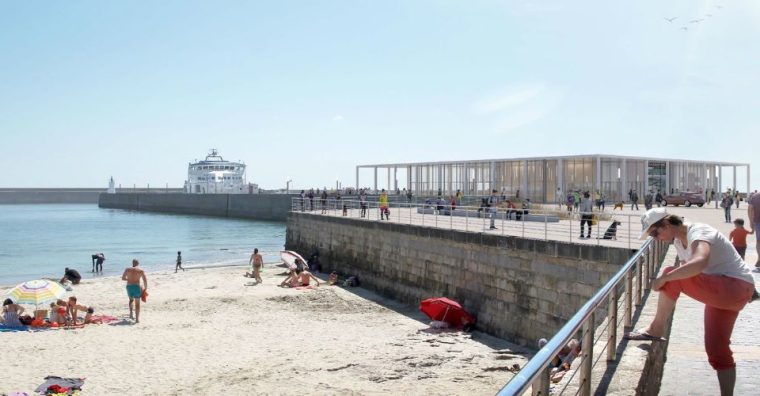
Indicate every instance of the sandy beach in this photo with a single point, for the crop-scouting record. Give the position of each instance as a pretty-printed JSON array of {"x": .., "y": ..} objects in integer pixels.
[{"x": 205, "y": 331}]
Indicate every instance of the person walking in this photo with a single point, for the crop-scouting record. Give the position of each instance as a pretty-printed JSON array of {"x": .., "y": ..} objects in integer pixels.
[
  {"x": 363, "y": 202},
  {"x": 134, "y": 291},
  {"x": 178, "y": 266},
  {"x": 737, "y": 198},
  {"x": 256, "y": 262},
  {"x": 726, "y": 203},
  {"x": 634, "y": 199},
  {"x": 586, "y": 209},
  {"x": 311, "y": 199},
  {"x": 493, "y": 202},
  {"x": 754, "y": 223},
  {"x": 710, "y": 272},
  {"x": 384, "y": 211},
  {"x": 323, "y": 201}
]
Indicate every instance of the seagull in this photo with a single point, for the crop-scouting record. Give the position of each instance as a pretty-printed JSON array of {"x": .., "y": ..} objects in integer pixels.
[
  {"x": 684, "y": 28},
  {"x": 719, "y": 7},
  {"x": 696, "y": 20},
  {"x": 671, "y": 19}
]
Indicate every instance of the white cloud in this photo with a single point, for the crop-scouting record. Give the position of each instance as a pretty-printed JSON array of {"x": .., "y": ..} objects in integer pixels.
[
  {"x": 518, "y": 106},
  {"x": 510, "y": 98}
]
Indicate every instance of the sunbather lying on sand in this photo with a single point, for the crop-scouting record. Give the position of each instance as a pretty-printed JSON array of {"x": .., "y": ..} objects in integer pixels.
[{"x": 291, "y": 280}]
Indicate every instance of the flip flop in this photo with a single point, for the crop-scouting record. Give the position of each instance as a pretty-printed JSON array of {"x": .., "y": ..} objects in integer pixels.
[{"x": 641, "y": 335}]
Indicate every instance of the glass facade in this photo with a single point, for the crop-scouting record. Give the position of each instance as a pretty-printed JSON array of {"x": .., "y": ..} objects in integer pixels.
[{"x": 550, "y": 179}]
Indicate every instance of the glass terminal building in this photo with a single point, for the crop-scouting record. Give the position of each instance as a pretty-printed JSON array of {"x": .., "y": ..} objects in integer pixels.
[{"x": 546, "y": 179}]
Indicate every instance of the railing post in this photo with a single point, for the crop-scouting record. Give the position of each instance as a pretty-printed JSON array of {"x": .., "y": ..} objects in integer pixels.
[
  {"x": 629, "y": 231},
  {"x": 628, "y": 301},
  {"x": 646, "y": 257},
  {"x": 612, "y": 316},
  {"x": 588, "y": 354},
  {"x": 546, "y": 228},
  {"x": 466, "y": 219},
  {"x": 541, "y": 387},
  {"x": 638, "y": 281}
]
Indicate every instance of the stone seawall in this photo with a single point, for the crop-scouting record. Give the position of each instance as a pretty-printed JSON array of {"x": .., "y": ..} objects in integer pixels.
[
  {"x": 519, "y": 289},
  {"x": 271, "y": 207}
]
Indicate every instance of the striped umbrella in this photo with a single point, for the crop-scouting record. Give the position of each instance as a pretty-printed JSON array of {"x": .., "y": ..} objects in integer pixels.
[{"x": 36, "y": 292}]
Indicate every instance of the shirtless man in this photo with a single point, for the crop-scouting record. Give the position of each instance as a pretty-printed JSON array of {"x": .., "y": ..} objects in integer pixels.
[
  {"x": 256, "y": 262},
  {"x": 305, "y": 277},
  {"x": 133, "y": 276}
]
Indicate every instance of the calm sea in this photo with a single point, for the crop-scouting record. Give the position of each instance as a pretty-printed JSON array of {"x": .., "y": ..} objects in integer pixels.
[{"x": 41, "y": 240}]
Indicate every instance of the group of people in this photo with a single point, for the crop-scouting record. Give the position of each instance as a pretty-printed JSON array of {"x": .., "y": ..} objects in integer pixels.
[{"x": 61, "y": 313}]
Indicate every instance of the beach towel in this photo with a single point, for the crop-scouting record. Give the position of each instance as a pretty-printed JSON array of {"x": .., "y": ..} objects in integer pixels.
[
  {"x": 60, "y": 385},
  {"x": 104, "y": 319},
  {"x": 10, "y": 329}
]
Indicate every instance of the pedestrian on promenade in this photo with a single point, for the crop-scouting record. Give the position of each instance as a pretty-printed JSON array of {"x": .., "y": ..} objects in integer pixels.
[
  {"x": 754, "y": 222},
  {"x": 134, "y": 291},
  {"x": 311, "y": 199},
  {"x": 634, "y": 199},
  {"x": 710, "y": 272},
  {"x": 323, "y": 201},
  {"x": 302, "y": 196},
  {"x": 384, "y": 211},
  {"x": 493, "y": 202},
  {"x": 737, "y": 198},
  {"x": 726, "y": 203},
  {"x": 587, "y": 207},
  {"x": 363, "y": 202}
]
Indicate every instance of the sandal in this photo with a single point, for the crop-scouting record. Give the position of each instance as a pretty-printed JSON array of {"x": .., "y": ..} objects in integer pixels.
[{"x": 642, "y": 335}]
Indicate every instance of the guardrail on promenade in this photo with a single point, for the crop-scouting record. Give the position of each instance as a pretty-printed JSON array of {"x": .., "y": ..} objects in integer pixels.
[
  {"x": 543, "y": 224},
  {"x": 634, "y": 278}
]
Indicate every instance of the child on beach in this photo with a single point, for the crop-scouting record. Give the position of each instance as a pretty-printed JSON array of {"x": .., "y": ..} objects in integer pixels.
[{"x": 738, "y": 237}]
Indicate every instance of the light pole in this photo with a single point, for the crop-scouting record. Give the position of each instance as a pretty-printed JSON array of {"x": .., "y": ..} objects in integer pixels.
[{"x": 287, "y": 186}]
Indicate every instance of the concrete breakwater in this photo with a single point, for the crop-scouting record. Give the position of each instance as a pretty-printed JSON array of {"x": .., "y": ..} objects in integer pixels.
[
  {"x": 271, "y": 207},
  {"x": 59, "y": 195},
  {"x": 520, "y": 289}
]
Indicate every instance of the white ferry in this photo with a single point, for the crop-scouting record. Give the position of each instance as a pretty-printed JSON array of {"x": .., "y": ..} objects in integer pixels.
[{"x": 214, "y": 175}]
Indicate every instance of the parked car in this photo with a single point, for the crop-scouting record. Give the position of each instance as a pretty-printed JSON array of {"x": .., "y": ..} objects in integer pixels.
[{"x": 684, "y": 198}]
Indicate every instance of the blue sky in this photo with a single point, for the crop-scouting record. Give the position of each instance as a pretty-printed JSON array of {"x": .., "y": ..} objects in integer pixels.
[{"x": 307, "y": 90}]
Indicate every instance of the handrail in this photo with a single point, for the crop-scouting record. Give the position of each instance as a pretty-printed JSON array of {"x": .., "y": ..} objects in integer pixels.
[
  {"x": 532, "y": 371},
  {"x": 552, "y": 224}
]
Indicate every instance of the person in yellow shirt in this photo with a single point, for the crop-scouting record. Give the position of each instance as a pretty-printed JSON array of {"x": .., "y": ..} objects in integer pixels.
[{"x": 384, "y": 206}]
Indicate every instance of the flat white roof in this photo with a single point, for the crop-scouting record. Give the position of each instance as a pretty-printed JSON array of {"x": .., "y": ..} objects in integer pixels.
[{"x": 402, "y": 164}]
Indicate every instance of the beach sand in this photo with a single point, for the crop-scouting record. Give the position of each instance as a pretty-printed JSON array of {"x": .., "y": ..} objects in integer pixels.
[{"x": 206, "y": 332}]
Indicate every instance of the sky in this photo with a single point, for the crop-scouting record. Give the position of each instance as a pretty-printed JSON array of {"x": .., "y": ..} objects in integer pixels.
[{"x": 307, "y": 90}]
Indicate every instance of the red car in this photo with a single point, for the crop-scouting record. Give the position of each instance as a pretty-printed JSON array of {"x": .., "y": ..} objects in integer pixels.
[{"x": 684, "y": 198}]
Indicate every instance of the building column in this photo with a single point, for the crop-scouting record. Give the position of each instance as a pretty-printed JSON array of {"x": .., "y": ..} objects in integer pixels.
[
  {"x": 491, "y": 177},
  {"x": 624, "y": 180},
  {"x": 388, "y": 185},
  {"x": 734, "y": 169},
  {"x": 524, "y": 181},
  {"x": 561, "y": 178},
  {"x": 395, "y": 178},
  {"x": 749, "y": 186},
  {"x": 375, "y": 185},
  {"x": 667, "y": 178},
  {"x": 646, "y": 177},
  {"x": 598, "y": 181},
  {"x": 704, "y": 178},
  {"x": 357, "y": 178},
  {"x": 720, "y": 181}
]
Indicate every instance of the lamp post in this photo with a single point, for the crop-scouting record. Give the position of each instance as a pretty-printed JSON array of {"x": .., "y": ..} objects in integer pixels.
[{"x": 287, "y": 186}]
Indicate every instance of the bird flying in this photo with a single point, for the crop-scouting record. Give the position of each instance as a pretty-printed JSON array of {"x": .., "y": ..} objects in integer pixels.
[{"x": 671, "y": 19}]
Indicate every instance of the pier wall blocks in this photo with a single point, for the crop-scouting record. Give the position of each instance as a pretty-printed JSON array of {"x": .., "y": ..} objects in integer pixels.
[
  {"x": 519, "y": 289},
  {"x": 270, "y": 207}
]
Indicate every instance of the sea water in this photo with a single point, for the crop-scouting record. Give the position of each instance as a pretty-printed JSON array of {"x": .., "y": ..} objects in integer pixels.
[{"x": 39, "y": 241}]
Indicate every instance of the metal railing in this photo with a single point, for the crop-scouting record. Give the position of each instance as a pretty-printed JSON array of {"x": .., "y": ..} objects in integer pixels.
[
  {"x": 632, "y": 280},
  {"x": 543, "y": 224}
]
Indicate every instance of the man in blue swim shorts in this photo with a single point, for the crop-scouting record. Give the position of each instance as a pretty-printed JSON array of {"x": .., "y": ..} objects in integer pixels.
[{"x": 134, "y": 291}]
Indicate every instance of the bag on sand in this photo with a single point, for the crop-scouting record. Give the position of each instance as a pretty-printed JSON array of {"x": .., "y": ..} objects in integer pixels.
[{"x": 352, "y": 281}]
